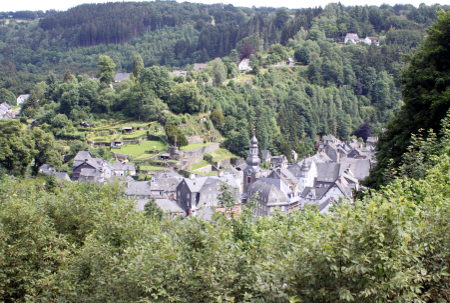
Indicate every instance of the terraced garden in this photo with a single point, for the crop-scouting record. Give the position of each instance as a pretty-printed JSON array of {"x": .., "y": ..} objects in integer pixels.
[{"x": 142, "y": 150}]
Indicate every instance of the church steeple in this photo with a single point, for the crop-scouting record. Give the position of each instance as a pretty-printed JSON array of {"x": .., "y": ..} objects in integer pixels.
[
  {"x": 252, "y": 171},
  {"x": 253, "y": 157}
]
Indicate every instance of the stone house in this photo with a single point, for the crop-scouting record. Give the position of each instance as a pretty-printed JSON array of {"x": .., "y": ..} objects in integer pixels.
[{"x": 197, "y": 194}]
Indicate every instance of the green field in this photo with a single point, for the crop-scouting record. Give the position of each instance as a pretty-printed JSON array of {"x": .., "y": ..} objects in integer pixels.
[
  {"x": 221, "y": 154},
  {"x": 142, "y": 150},
  {"x": 151, "y": 167}
]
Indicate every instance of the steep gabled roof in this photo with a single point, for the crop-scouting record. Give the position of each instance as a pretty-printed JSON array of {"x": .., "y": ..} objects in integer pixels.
[{"x": 327, "y": 172}]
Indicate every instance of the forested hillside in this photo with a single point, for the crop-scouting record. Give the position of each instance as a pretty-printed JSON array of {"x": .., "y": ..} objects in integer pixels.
[
  {"x": 332, "y": 89},
  {"x": 189, "y": 33}
]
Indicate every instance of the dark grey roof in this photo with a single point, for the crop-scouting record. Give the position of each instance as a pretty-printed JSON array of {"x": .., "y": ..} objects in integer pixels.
[
  {"x": 314, "y": 192},
  {"x": 165, "y": 184},
  {"x": 195, "y": 184},
  {"x": 168, "y": 205},
  {"x": 285, "y": 174},
  {"x": 62, "y": 176},
  {"x": 138, "y": 188},
  {"x": 269, "y": 193},
  {"x": 123, "y": 166},
  {"x": 327, "y": 172},
  {"x": 265, "y": 154},
  {"x": 80, "y": 157},
  {"x": 46, "y": 169},
  {"x": 359, "y": 167}
]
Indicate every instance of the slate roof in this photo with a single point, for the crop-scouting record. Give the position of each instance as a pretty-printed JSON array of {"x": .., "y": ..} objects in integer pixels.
[
  {"x": 269, "y": 193},
  {"x": 195, "y": 184},
  {"x": 123, "y": 166},
  {"x": 138, "y": 188},
  {"x": 80, "y": 157},
  {"x": 284, "y": 174},
  {"x": 89, "y": 174},
  {"x": 316, "y": 192},
  {"x": 165, "y": 184},
  {"x": 359, "y": 167},
  {"x": 265, "y": 155},
  {"x": 327, "y": 172},
  {"x": 46, "y": 169},
  {"x": 168, "y": 205},
  {"x": 62, "y": 176}
]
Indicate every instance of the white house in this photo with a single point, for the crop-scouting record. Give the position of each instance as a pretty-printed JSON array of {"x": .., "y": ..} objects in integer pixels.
[
  {"x": 244, "y": 65},
  {"x": 22, "y": 98},
  {"x": 351, "y": 38}
]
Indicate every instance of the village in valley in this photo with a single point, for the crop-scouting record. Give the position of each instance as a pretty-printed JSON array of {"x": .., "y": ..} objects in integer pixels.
[
  {"x": 321, "y": 180},
  {"x": 190, "y": 181}
]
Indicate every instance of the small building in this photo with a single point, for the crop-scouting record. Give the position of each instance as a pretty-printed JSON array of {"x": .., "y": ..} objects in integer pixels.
[
  {"x": 244, "y": 65},
  {"x": 116, "y": 144},
  {"x": 290, "y": 61},
  {"x": 198, "y": 67},
  {"x": 119, "y": 77},
  {"x": 278, "y": 161},
  {"x": 179, "y": 73},
  {"x": 22, "y": 99},
  {"x": 6, "y": 111},
  {"x": 127, "y": 129},
  {"x": 372, "y": 41},
  {"x": 351, "y": 38},
  {"x": 371, "y": 141}
]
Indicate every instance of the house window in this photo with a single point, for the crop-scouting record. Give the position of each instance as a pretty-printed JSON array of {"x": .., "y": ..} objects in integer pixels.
[{"x": 249, "y": 179}]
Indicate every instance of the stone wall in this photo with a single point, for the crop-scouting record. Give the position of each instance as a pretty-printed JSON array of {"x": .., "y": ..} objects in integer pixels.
[{"x": 196, "y": 155}]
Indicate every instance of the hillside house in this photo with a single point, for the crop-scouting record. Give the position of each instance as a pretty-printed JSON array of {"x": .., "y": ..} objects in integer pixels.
[
  {"x": 198, "y": 67},
  {"x": 198, "y": 195},
  {"x": 119, "y": 77},
  {"x": 179, "y": 73},
  {"x": 22, "y": 99},
  {"x": 6, "y": 111},
  {"x": 87, "y": 168},
  {"x": 372, "y": 41},
  {"x": 244, "y": 65},
  {"x": 351, "y": 38},
  {"x": 127, "y": 129}
]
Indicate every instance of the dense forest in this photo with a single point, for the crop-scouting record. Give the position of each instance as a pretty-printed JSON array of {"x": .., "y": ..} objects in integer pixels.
[{"x": 189, "y": 33}]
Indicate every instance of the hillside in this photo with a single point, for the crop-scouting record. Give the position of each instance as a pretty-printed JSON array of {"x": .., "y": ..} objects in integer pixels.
[{"x": 35, "y": 43}]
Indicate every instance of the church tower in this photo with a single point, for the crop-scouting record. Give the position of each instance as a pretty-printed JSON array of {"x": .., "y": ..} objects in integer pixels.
[{"x": 251, "y": 172}]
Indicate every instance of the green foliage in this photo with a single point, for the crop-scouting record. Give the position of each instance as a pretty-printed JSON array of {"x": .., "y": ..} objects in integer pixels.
[
  {"x": 152, "y": 210},
  {"x": 138, "y": 66},
  {"x": 175, "y": 135},
  {"x": 426, "y": 96},
  {"x": 186, "y": 98},
  {"x": 17, "y": 147},
  {"x": 106, "y": 69},
  {"x": 7, "y": 96},
  {"x": 86, "y": 244},
  {"x": 217, "y": 118}
]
